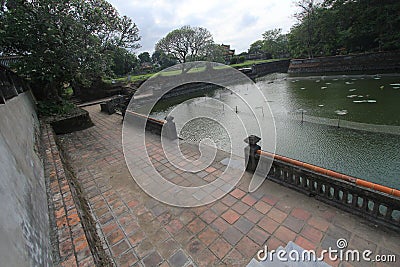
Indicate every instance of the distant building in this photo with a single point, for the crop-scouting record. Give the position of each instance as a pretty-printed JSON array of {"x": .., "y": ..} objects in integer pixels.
[
  {"x": 228, "y": 52},
  {"x": 146, "y": 67}
]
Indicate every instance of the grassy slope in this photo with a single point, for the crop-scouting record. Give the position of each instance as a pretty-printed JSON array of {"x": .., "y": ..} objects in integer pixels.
[{"x": 247, "y": 63}]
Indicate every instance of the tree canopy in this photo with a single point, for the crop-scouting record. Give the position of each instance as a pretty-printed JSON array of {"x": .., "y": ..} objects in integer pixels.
[
  {"x": 124, "y": 61},
  {"x": 333, "y": 27},
  {"x": 144, "y": 57},
  {"x": 274, "y": 43},
  {"x": 187, "y": 44},
  {"x": 64, "y": 41},
  {"x": 162, "y": 60}
]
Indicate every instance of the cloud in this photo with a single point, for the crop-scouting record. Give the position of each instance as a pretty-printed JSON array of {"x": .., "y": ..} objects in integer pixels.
[
  {"x": 238, "y": 23},
  {"x": 248, "y": 20}
]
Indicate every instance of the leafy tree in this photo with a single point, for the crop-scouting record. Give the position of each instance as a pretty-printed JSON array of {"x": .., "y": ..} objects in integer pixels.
[
  {"x": 162, "y": 60},
  {"x": 186, "y": 44},
  {"x": 257, "y": 47},
  {"x": 66, "y": 41},
  {"x": 215, "y": 52},
  {"x": 307, "y": 16},
  {"x": 274, "y": 43},
  {"x": 124, "y": 61},
  {"x": 144, "y": 57},
  {"x": 343, "y": 26}
]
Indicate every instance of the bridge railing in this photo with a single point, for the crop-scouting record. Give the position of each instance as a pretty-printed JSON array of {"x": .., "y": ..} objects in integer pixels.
[
  {"x": 374, "y": 202},
  {"x": 166, "y": 128}
]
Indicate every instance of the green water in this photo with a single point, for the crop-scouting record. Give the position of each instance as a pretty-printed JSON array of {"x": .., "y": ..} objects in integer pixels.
[
  {"x": 340, "y": 92},
  {"x": 353, "y": 149}
]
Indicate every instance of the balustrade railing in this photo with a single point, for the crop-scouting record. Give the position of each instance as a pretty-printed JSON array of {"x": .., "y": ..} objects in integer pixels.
[
  {"x": 374, "y": 202},
  {"x": 10, "y": 85}
]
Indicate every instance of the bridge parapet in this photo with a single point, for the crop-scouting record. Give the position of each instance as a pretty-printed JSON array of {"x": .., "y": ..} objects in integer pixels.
[{"x": 374, "y": 202}]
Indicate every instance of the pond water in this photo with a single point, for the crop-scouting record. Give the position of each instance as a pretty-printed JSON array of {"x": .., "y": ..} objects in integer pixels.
[{"x": 366, "y": 145}]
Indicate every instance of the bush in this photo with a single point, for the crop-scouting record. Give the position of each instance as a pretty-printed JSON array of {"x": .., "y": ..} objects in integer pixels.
[{"x": 50, "y": 108}]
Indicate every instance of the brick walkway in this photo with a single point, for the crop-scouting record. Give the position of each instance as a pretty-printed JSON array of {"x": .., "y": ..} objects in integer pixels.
[
  {"x": 140, "y": 231},
  {"x": 72, "y": 244}
]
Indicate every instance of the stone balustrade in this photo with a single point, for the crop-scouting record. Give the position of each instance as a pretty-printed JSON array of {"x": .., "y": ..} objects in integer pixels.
[
  {"x": 10, "y": 85},
  {"x": 167, "y": 127},
  {"x": 374, "y": 202}
]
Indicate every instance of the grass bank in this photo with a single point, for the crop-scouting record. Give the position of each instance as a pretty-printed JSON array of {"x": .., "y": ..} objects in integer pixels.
[{"x": 141, "y": 77}]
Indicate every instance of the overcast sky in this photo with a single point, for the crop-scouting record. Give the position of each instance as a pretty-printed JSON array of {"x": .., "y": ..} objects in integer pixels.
[{"x": 238, "y": 22}]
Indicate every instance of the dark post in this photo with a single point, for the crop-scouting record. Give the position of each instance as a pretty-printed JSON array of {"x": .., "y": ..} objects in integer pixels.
[
  {"x": 170, "y": 128},
  {"x": 250, "y": 152}
]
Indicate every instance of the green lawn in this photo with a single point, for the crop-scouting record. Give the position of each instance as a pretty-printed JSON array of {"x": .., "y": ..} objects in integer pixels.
[{"x": 247, "y": 63}]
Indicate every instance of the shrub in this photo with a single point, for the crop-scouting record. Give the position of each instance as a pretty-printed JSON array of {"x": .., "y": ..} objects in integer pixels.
[
  {"x": 50, "y": 108},
  {"x": 234, "y": 60}
]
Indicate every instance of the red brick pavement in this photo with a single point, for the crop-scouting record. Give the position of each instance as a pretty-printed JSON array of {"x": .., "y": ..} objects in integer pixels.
[
  {"x": 140, "y": 231},
  {"x": 73, "y": 246}
]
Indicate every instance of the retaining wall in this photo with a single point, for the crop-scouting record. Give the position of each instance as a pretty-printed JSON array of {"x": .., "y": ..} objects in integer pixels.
[
  {"x": 382, "y": 61},
  {"x": 24, "y": 218},
  {"x": 262, "y": 69},
  {"x": 24, "y": 213}
]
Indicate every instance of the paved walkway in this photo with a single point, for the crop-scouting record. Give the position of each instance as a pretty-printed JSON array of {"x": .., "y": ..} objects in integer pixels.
[
  {"x": 140, "y": 231},
  {"x": 73, "y": 246}
]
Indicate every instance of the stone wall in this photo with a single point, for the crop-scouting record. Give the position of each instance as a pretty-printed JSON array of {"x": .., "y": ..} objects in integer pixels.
[
  {"x": 262, "y": 69},
  {"x": 382, "y": 61},
  {"x": 24, "y": 214}
]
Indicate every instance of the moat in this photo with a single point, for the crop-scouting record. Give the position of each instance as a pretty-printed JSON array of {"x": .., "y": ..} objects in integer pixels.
[{"x": 366, "y": 145}]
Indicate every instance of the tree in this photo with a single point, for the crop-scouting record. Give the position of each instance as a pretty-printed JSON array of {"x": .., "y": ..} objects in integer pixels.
[
  {"x": 162, "y": 60},
  {"x": 274, "y": 43},
  {"x": 307, "y": 16},
  {"x": 215, "y": 52},
  {"x": 124, "y": 61},
  {"x": 256, "y": 47},
  {"x": 144, "y": 57},
  {"x": 66, "y": 41},
  {"x": 186, "y": 44},
  {"x": 342, "y": 26}
]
